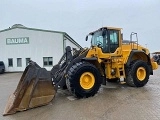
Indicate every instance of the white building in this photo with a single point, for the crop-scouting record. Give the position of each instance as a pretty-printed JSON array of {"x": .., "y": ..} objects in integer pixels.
[{"x": 19, "y": 44}]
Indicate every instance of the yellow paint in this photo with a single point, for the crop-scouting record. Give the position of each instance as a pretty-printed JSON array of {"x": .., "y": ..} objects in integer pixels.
[
  {"x": 116, "y": 61},
  {"x": 154, "y": 65},
  {"x": 87, "y": 80},
  {"x": 141, "y": 73}
]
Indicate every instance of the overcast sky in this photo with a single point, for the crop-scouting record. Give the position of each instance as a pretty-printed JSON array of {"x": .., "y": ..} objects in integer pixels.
[{"x": 79, "y": 17}]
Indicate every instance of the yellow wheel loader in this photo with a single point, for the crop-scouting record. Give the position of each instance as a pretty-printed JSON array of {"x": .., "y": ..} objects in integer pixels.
[{"x": 83, "y": 71}]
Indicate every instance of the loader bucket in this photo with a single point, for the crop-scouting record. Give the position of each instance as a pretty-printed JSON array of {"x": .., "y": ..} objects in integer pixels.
[{"x": 34, "y": 89}]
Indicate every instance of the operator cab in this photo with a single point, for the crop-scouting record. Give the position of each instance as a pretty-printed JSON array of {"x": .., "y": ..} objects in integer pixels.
[{"x": 108, "y": 39}]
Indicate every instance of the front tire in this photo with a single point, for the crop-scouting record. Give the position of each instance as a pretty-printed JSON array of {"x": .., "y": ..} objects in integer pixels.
[
  {"x": 83, "y": 80},
  {"x": 138, "y": 74}
]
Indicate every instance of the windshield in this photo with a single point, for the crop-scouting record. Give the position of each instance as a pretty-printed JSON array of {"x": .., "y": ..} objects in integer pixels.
[
  {"x": 97, "y": 39},
  {"x": 108, "y": 42}
]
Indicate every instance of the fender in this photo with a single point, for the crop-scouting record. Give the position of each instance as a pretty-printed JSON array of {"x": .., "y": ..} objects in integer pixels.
[{"x": 144, "y": 57}]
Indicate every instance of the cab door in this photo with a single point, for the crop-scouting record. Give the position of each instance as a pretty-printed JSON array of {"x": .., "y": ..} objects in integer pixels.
[{"x": 114, "y": 40}]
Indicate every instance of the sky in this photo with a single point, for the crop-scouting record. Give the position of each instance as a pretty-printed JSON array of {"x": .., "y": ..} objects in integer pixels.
[{"x": 79, "y": 17}]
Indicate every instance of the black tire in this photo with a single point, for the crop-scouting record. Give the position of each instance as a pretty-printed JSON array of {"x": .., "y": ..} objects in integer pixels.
[
  {"x": 131, "y": 76},
  {"x": 2, "y": 71},
  {"x": 74, "y": 76},
  {"x": 114, "y": 80}
]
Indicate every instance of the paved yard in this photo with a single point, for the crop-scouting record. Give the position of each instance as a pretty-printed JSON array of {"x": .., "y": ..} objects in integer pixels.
[{"x": 113, "y": 102}]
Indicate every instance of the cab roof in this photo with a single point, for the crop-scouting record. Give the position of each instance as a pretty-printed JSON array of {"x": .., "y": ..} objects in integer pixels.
[{"x": 111, "y": 28}]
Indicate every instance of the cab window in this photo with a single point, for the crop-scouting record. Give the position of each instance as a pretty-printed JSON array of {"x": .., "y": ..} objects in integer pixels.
[{"x": 114, "y": 40}]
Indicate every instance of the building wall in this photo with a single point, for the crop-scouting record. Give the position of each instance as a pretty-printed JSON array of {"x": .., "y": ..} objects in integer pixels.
[
  {"x": 41, "y": 44},
  {"x": 69, "y": 43}
]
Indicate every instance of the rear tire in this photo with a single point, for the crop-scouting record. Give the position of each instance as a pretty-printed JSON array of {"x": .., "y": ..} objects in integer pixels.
[
  {"x": 138, "y": 74},
  {"x": 83, "y": 80}
]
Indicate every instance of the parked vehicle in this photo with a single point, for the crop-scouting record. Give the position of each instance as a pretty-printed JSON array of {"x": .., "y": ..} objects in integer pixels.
[
  {"x": 156, "y": 57},
  {"x": 2, "y": 67}
]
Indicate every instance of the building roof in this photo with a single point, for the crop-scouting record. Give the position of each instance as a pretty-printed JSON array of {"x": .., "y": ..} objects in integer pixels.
[{"x": 20, "y": 26}]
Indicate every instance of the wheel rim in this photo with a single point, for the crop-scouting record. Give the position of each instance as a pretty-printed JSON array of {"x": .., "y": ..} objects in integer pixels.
[
  {"x": 141, "y": 73},
  {"x": 87, "y": 80}
]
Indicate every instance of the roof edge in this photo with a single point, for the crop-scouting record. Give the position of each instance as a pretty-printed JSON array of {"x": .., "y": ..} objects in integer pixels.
[
  {"x": 71, "y": 39},
  {"x": 35, "y": 29}
]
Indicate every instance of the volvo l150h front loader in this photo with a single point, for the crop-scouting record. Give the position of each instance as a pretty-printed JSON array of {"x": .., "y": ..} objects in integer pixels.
[{"x": 107, "y": 60}]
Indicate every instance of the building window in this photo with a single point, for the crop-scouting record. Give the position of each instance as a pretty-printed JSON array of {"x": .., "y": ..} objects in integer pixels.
[
  {"x": 47, "y": 61},
  {"x": 10, "y": 62},
  {"x": 19, "y": 62},
  {"x": 27, "y": 61}
]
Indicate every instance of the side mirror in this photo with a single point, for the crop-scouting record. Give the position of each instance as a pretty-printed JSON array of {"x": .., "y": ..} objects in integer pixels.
[{"x": 86, "y": 37}]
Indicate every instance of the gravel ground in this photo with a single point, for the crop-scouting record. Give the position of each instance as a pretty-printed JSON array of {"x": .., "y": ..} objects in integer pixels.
[{"x": 113, "y": 102}]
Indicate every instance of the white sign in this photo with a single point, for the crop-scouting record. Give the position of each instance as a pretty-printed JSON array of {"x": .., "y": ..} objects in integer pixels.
[{"x": 23, "y": 40}]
